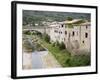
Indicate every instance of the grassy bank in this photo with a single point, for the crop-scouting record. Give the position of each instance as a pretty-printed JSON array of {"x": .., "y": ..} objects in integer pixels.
[{"x": 64, "y": 57}]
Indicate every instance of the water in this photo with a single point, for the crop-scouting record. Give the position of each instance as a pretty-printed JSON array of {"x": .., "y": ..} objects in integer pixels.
[
  {"x": 37, "y": 56},
  {"x": 36, "y": 60}
]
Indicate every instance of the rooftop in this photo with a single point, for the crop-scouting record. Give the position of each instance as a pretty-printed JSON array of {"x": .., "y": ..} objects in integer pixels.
[{"x": 72, "y": 21}]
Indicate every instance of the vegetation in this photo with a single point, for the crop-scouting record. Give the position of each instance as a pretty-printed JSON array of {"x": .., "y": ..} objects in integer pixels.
[
  {"x": 69, "y": 18},
  {"x": 79, "y": 22},
  {"x": 78, "y": 60},
  {"x": 32, "y": 33},
  {"x": 39, "y": 47},
  {"x": 46, "y": 37},
  {"x": 37, "y": 17},
  {"x": 27, "y": 46},
  {"x": 70, "y": 25},
  {"x": 57, "y": 43},
  {"x": 37, "y": 33},
  {"x": 59, "y": 51},
  {"x": 53, "y": 44},
  {"x": 27, "y": 32},
  {"x": 62, "y": 46},
  {"x": 64, "y": 57}
]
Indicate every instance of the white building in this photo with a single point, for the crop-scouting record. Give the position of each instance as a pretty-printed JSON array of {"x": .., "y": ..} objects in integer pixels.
[
  {"x": 57, "y": 32},
  {"x": 85, "y": 38},
  {"x": 75, "y": 35}
]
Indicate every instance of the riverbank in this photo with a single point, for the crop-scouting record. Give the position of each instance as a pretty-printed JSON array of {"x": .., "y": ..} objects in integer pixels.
[{"x": 39, "y": 61}]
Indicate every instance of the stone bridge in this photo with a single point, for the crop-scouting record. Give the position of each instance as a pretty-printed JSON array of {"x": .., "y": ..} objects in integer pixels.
[{"x": 39, "y": 29}]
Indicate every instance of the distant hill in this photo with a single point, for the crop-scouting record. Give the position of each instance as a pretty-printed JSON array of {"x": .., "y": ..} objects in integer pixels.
[{"x": 33, "y": 17}]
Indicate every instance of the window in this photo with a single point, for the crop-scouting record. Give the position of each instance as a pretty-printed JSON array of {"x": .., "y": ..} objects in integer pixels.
[
  {"x": 56, "y": 31},
  {"x": 62, "y": 25},
  {"x": 86, "y": 35},
  {"x": 73, "y": 33},
  {"x": 59, "y": 32},
  {"x": 77, "y": 33},
  {"x": 86, "y": 26},
  {"x": 83, "y": 41},
  {"x": 65, "y": 32}
]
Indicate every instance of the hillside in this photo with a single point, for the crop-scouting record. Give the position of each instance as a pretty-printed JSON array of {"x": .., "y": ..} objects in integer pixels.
[{"x": 32, "y": 17}]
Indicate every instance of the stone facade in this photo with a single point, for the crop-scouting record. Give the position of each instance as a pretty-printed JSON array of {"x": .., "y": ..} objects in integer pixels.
[{"x": 75, "y": 37}]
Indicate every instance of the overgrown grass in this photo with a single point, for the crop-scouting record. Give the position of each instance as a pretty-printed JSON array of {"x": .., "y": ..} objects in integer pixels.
[
  {"x": 78, "y": 60},
  {"x": 64, "y": 56},
  {"x": 60, "y": 55},
  {"x": 27, "y": 46},
  {"x": 69, "y": 26}
]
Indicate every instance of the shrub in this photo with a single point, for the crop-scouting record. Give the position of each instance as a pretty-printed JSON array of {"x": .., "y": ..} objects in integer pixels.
[
  {"x": 27, "y": 32},
  {"x": 53, "y": 44},
  {"x": 47, "y": 38},
  {"x": 78, "y": 60},
  {"x": 28, "y": 47},
  {"x": 57, "y": 43},
  {"x": 69, "y": 18},
  {"x": 62, "y": 46}
]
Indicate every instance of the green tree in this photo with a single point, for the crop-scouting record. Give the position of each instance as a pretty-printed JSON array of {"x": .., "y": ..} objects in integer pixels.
[
  {"x": 46, "y": 37},
  {"x": 62, "y": 46},
  {"x": 57, "y": 43},
  {"x": 69, "y": 18}
]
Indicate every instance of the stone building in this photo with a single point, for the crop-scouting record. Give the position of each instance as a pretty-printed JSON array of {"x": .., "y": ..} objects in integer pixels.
[{"x": 75, "y": 34}]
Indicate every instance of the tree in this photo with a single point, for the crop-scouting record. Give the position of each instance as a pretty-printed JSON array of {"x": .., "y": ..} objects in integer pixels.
[
  {"x": 46, "y": 37},
  {"x": 27, "y": 32},
  {"x": 53, "y": 44},
  {"x": 62, "y": 46},
  {"x": 57, "y": 43},
  {"x": 69, "y": 18}
]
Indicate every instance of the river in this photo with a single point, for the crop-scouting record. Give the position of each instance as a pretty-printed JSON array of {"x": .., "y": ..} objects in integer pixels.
[{"x": 36, "y": 60}]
